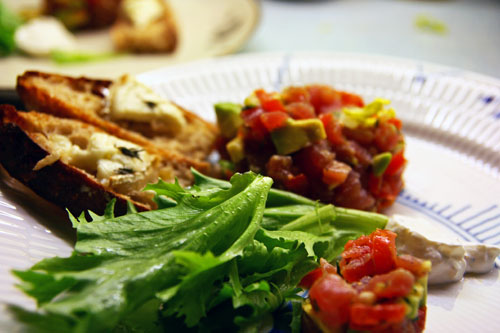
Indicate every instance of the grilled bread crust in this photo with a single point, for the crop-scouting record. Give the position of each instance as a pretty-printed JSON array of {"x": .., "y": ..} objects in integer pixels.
[
  {"x": 23, "y": 137},
  {"x": 85, "y": 99}
]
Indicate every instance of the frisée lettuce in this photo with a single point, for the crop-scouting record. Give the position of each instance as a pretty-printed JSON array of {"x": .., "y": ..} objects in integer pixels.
[{"x": 220, "y": 256}]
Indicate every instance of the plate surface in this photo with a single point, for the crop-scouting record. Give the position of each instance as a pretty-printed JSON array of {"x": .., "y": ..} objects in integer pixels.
[
  {"x": 452, "y": 125},
  {"x": 205, "y": 28}
]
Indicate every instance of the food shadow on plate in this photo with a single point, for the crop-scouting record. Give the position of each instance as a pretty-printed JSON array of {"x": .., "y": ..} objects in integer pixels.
[
  {"x": 31, "y": 206},
  {"x": 445, "y": 295}
]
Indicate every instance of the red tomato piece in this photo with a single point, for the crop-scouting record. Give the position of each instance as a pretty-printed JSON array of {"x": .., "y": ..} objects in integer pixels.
[
  {"x": 325, "y": 268},
  {"x": 396, "y": 122},
  {"x": 383, "y": 251},
  {"x": 314, "y": 158},
  {"x": 385, "y": 188},
  {"x": 412, "y": 264},
  {"x": 349, "y": 99},
  {"x": 331, "y": 298},
  {"x": 356, "y": 268},
  {"x": 397, "y": 162},
  {"x": 273, "y": 120},
  {"x": 324, "y": 98},
  {"x": 311, "y": 277},
  {"x": 333, "y": 129},
  {"x": 295, "y": 94},
  {"x": 297, "y": 183},
  {"x": 368, "y": 255},
  {"x": 398, "y": 283},
  {"x": 262, "y": 95},
  {"x": 269, "y": 102},
  {"x": 273, "y": 105},
  {"x": 420, "y": 323},
  {"x": 300, "y": 110},
  {"x": 335, "y": 173},
  {"x": 362, "y": 135},
  {"x": 386, "y": 136},
  {"x": 363, "y": 316},
  {"x": 251, "y": 118}
]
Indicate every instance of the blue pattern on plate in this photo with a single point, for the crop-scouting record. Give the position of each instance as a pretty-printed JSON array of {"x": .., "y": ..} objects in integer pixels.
[{"x": 468, "y": 228}]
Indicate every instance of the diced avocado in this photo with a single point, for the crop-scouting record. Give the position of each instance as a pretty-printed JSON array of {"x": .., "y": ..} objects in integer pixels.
[
  {"x": 380, "y": 162},
  {"x": 236, "y": 149},
  {"x": 252, "y": 101},
  {"x": 412, "y": 302},
  {"x": 297, "y": 134},
  {"x": 228, "y": 118},
  {"x": 417, "y": 298}
]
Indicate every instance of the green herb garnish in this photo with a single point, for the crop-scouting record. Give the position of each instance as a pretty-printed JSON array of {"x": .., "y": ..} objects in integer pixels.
[
  {"x": 72, "y": 57},
  {"x": 224, "y": 256}
]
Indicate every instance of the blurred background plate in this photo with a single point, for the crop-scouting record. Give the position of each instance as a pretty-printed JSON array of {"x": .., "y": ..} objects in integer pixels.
[{"x": 205, "y": 28}]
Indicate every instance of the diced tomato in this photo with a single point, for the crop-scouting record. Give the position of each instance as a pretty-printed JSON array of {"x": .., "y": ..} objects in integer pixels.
[
  {"x": 311, "y": 277},
  {"x": 412, "y": 264},
  {"x": 331, "y": 298},
  {"x": 295, "y": 94},
  {"x": 397, "y": 283},
  {"x": 297, "y": 183},
  {"x": 363, "y": 316},
  {"x": 279, "y": 168},
  {"x": 300, "y": 110},
  {"x": 362, "y": 135},
  {"x": 325, "y": 268},
  {"x": 397, "y": 162},
  {"x": 273, "y": 105},
  {"x": 273, "y": 120},
  {"x": 251, "y": 118},
  {"x": 368, "y": 255},
  {"x": 385, "y": 188},
  {"x": 356, "y": 268},
  {"x": 333, "y": 128},
  {"x": 383, "y": 251},
  {"x": 314, "y": 158},
  {"x": 335, "y": 173},
  {"x": 386, "y": 136},
  {"x": 268, "y": 101},
  {"x": 420, "y": 323},
  {"x": 324, "y": 98},
  {"x": 349, "y": 99},
  {"x": 396, "y": 122}
]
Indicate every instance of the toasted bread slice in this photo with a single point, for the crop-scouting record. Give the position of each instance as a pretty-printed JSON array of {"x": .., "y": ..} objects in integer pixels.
[
  {"x": 146, "y": 26},
  {"x": 79, "y": 166},
  {"x": 86, "y": 99}
]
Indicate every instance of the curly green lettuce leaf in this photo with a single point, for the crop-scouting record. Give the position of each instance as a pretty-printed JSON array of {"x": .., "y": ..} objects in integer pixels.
[{"x": 119, "y": 264}]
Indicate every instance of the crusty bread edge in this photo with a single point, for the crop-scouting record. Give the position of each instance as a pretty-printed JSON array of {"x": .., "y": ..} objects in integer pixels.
[
  {"x": 36, "y": 99},
  {"x": 66, "y": 186}
]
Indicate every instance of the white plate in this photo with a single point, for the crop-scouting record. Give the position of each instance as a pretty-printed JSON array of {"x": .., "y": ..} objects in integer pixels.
[
  {"x": 205, "y": 29},
  {"x": 452, "y": 125}
]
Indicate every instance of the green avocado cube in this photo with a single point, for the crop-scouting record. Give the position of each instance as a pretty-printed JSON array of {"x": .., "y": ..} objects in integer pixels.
[
  {"x": 228, "y": 118},
  {"x": 236, "y": 149},
  {"x": 297, "y": 134},
  {"x": 380, "y": 162}
]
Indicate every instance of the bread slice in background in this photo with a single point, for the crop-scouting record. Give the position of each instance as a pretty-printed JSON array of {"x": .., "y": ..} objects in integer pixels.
[
  {"x": 87, "y": 100},
  {"x": 145, "y": 26},
  {"x": 55, "y": 158}
]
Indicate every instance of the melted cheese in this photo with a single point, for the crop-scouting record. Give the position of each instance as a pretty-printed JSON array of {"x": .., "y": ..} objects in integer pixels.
[
  {"x": 142, "y": 12},
  {"x": 106, "y": 157},
  {"x": 451, "y": 257},
  {"x": 132, "y": 100},
  {"x": 42, "y": 35}
]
